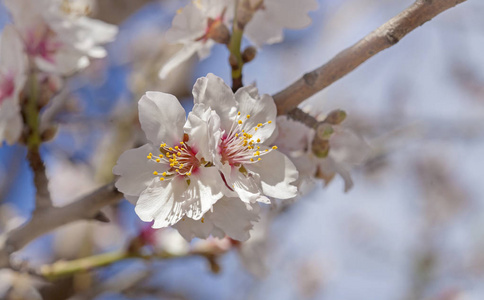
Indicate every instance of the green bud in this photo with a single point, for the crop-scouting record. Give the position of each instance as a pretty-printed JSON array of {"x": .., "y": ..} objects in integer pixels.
[{"x": 335, "y": 117}]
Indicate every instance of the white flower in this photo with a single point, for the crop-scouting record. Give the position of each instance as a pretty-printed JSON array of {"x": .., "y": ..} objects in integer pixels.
[
  {"x": 13, "y": 64},
  {"x": 229, "y": 217},
  {"x": 250, "y": 169},
  {"x": 168, "y": 175},
  {"x": 197, "y": 26},
  {"x": 347, "y": 149},
  {"x": 272, "y": 16},
  {"x": 58, "y": 35}
]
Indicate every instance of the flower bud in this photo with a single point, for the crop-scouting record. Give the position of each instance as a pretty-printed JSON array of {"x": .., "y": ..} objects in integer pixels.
[
  {"x": 218, "y": 32},
  {"x": 320, "y": 147},
  {"x": 233, "y": 61},
  {"x": 324, "y": 131},
  {"x": 49, "y": 133},
  {"x": 249, "y": 54},
  {"x": 335, "y": 117}
]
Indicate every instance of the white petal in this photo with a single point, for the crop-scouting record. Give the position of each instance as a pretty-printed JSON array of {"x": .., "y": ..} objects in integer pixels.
[
  {"x": 10, "y": 121},
  {"x": 65, "y": 61},
  {"x": 204, "y": 190},
  {"x": 260, "y": 109},
  {"x": 203, "y": 128},
  {"x": 210, "y": 180},
  {"x": 188, "y": 25},
  {"x": 234, "y": 217},
  {"x": 277, "y": 173},
  {"x": 266, "y": 27},
  {"x": 136, "y": 170},
  {"x": 162, "y": 118},
  {"x": 189, "y": 229},
  {"x": 214, "y": 93},
  {"x": 292, "y": 135},
  {"x": 348, "y": 147},
  {"x": 329, "y": 167},
  {"x": 131, "y": 199},
  {"x": 161, "y": 202},
  {"x": 184, "y": 54},
  {"x": 246, "y": 187},
  {"x": 12, "y": 56}
]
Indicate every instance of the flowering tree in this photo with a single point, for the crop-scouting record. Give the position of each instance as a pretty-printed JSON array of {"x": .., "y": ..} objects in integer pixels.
[{"x": 217, "y": 173}]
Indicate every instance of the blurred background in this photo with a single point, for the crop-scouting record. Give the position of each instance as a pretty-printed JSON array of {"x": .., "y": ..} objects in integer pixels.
[{"x": 411, "y": 228}]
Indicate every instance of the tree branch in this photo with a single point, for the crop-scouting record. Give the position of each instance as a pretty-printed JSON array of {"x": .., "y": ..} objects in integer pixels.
[
  {"x": 349, "y": 59},
  {"x": 49, "y": 219}
]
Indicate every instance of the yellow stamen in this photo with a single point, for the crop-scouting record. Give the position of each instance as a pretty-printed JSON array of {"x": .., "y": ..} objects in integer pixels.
[
  {"x": 161, "y": 178},
  {"x": 148, "y": 157},
  {"x": 248, "y": 116},
  {"x": 155, "y": 173},
  {"x": 164, "y": 174},
  {"x": 274, "y": 147},
  {"x": 240, "y": 122},
  {"x": 158, "y": 160},
  {"x": 269, "y": 122}
]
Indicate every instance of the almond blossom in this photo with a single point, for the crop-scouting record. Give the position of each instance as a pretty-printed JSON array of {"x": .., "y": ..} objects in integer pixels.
[
  {"x": 251, "y": 169},
  {"x": 58, "y": 35},
  {"x": 168, "y": 177},
  {"x": 13, "y": 64},
  {"x": 198, "y": 26},
  {"x": 272, "y": 16},
  {"x": 347, "y": 150},
  {"x": 229, "y": 217}
]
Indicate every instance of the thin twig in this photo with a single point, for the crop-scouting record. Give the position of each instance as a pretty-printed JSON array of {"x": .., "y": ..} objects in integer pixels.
[
  {"x": 49, "y": 219},
  {"x": 349, "y": 59}
]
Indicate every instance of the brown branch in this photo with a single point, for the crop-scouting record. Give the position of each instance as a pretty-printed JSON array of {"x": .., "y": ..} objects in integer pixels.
[
  {"x": 86, "y": 208},
  {"x": 349, "y": 59},
  {"x": 42, "y": 195}
]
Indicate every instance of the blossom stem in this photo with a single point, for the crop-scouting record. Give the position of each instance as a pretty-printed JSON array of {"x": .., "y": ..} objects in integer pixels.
[
  {"x": 32, "y": 113},
  {"x": 68, "y": 268},
  {"x": 42, "y": 196},
  {"x": 236, "y": 61}
]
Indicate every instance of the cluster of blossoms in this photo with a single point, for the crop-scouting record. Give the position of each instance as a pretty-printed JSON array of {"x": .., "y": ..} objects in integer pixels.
[
  {"x": 203, "y": 23},
  {"x": 50, "y": 38},
  {"x": 339, "y": 150},
  {"x": 206, "y": 173}
]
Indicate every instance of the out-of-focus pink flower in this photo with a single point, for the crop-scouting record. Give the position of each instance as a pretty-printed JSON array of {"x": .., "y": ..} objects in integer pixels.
[
  {"x": 13, "y": 64},
  {"x": 58, "y": 35}
]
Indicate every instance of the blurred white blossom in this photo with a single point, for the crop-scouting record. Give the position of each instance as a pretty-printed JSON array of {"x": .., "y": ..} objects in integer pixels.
[
  {"x": 347, "y": 150},
  {"x": 198, "y": 26},
  {"x": 13, "y": 64},
  {"x": 58, "y": 35},
  {"x": 271, "y": 17}
]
